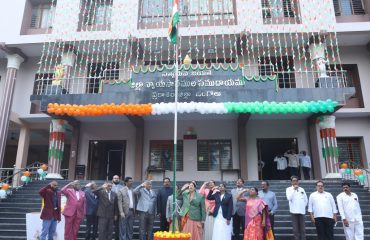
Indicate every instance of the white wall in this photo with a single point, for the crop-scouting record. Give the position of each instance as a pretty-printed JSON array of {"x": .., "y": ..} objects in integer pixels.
[
  {"x": 273, "y": 129},
  {"x": 209, "y": 129},
  {"x": 361, "y": 56},
  {"x": 108, "y": 131},
  {"x": 356, "y": 127}
]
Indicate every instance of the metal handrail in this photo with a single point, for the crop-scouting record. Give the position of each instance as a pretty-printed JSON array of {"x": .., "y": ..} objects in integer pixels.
[
  {"x": 31, "y": 166},
  {"x": 352, "y": 176}
]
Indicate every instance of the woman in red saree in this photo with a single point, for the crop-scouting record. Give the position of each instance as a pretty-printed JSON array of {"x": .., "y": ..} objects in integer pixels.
[{"x": 257, "y": 224}]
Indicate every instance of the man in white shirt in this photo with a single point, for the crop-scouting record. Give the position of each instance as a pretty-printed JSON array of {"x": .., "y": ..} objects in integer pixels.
[
  {"x": 293, "y": 162},
  {"x": 297, "y": 207},
  {"x": 350, "y": 212},
  {"x": 323, "y": 212},
  {"x": 305, "y": 162}
]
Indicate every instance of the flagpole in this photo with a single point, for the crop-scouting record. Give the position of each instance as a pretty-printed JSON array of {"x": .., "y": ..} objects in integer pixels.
[{"x": 175, "y": 137}]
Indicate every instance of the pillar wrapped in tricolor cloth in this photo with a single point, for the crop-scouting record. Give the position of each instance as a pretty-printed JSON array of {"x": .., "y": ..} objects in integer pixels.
[
  {"x": 56, "y": 148},
  {"x": 329, "y": 145}
]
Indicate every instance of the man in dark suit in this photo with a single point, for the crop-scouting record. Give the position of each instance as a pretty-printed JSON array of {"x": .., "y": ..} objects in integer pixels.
[
  {"x": 162, "y": 198},
  {"x": 107, "y": 211},
  {"x": 147, "y": 209},
  {"x": 50, "y": 213},
  {"x": 91, "y": 209}
]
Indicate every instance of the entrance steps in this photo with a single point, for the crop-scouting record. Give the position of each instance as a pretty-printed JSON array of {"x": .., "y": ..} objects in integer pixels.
[{"x": 13, "y": 209}]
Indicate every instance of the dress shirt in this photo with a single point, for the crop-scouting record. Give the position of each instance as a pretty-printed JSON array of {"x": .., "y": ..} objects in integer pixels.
[
  {"x": 297, "y": 200},
  {"x": 349, "y": 207},
  {"x": 305, "y": 161},
  {"x": 293, "y": 160},
  {"x": 270, "y": 199},
  {"x": 282, "y": 163},
  {"x": 322, "y": 205},
  {"x": 130, "y": 196},
  {"x": 108, "y": 194},
  {"x": 78, "y": 195}
]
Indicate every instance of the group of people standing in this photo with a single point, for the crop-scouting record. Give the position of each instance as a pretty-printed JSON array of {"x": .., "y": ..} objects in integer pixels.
[
  {"x": 323, "y": 211},
  {"x": 212, "y": 213}
]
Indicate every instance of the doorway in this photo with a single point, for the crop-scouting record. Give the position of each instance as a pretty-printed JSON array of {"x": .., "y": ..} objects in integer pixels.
[
  {"x": 106, "y": 159},
  {"x": 268, "y": 149}
]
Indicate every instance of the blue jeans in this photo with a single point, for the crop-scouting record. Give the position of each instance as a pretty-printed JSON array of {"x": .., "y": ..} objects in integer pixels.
[{"x": 48, "y": 229}]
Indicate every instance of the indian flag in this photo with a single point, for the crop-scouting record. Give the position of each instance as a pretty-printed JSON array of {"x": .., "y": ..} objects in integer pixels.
[{"x": 172, "y": 28}]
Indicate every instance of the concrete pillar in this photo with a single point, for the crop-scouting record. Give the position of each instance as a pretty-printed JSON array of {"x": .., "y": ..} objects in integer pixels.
[
  {"x": 329, "y": 146},
  {"x": 14, "y": 62},
  {"x": 22, "y": 152},
  {"x": 74, "y": 151},
  {"x": 56, "y": 148}
]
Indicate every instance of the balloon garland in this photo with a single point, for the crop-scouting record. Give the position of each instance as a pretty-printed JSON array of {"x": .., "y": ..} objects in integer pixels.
[{"x": 191, "y": 107}]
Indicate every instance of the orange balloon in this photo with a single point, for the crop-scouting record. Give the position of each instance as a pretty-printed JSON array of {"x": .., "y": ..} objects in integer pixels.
[
  {"x": 26, "y": 173},
  {"x": 344, "y": 166},
  {"x": 5, "y": 186},
  {"x": 357, "y": 172},
  {"x": 44, "y": 167}
]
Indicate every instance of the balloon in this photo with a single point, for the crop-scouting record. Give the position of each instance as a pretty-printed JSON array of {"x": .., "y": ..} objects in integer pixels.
[
  {"x": 28, "y": 179},
  {"x": 24, "y": 178},
  {"x": 2, "y": 194},
  {"x": 5, "y": 186},
  {"x": 348, "y": 171},
  {"x": 344, "y": 166},
  {"x": 342, "y": 171},
  {"x": 40, "y": 171},
  {"x": 361, "y": 178},
  {"x": 357, "y": 172},
  {"x": 26, "y": 173},
  {"x": 44, "y": 174}
]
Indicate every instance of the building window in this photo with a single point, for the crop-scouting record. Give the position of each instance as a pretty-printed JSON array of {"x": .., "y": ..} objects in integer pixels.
[
  {"x": 162, "y": 155},
  {"x": 95, "y": 15},
  {"x": 349, "y": 7},
  {"x": 283, "y": 67},
  {"x": 42, "y": 81},
  {"x": 280, "y": 11},
  {"x": 98, "y": 72},
  {"x": 42, "y": 16},
  {"x": 194, "y": 13},
  {"x": 214, "y": 155},
  {"x": 350, "y": 151}
]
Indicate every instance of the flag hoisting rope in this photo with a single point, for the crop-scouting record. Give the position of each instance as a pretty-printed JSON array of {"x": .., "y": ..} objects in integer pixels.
[{"x": 172, "y": 37}]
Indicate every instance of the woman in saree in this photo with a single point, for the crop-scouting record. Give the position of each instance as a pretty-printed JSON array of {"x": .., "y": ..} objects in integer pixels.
[
  {"x": 257, "y": 224},
  {"x": 192, "y": 211}
]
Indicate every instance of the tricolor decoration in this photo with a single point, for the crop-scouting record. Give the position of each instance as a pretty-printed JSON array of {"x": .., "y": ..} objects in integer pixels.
[
  {"x": 56, "y": 144},
  {"x": 175, "y": 19},
  {"x": 329, "y": 143},
  {"x": 193, "y": 107}
]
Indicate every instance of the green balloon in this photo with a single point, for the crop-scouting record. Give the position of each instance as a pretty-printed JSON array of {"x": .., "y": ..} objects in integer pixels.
[
  {"x": 361, "y": 178},
  {"x": 348, "y": 171}
]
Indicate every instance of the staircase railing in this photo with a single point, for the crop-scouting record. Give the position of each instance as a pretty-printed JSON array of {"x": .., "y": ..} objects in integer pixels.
[
  {"x": 7, "y": 175},
  {"x": 365, "y": 182}
]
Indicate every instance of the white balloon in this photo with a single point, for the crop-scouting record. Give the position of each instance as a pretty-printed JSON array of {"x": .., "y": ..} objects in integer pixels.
[
  {"x": 2, "y": 194},
  {"x": 23, "y": 178},
  {"x": 40, "y": 171}
]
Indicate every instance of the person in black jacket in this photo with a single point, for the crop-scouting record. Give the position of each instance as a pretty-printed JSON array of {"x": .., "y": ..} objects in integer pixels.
[
  {"x": 91, "y": 209},
  {"x": 107, "y": 211},
  {"x": 162, "y": 197},
  {"x": 222, "y": 229}
]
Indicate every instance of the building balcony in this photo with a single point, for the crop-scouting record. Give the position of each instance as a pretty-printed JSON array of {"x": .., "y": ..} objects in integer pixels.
[
  {"x": 351, "y": 11},
  {"x": 215, "y": 83}
]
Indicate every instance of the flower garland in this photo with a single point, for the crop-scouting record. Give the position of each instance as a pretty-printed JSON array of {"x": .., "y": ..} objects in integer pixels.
[{"x": 193, "y": 107}]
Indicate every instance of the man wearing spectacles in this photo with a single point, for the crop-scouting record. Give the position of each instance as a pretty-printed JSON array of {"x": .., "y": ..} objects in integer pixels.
[{"x": 323, "y": 212}]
